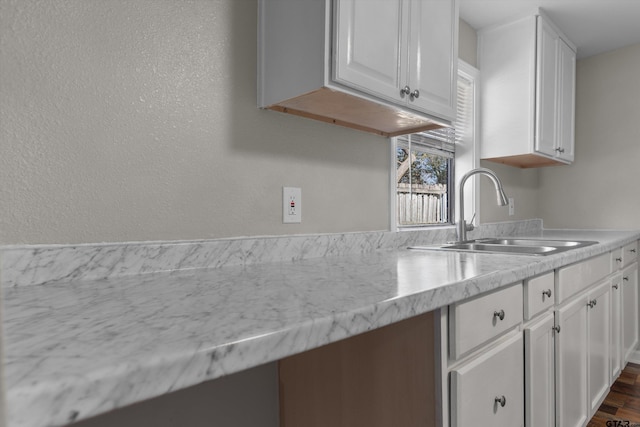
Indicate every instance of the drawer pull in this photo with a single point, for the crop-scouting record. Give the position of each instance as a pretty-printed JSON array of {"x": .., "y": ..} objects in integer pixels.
[
  {"x": 592, "y": 303},
  {"x": 633, "y": 251},
  {"x": 501, "y": 400},
  {"x": 547, "y": 293},
  {"x": 499, "y": 315},
  {"x": 625, "y": 278},
  {"x": 619, "y": 259},
  {"x": 556, "y": 329},
  {"x": 615, "y": 286}
]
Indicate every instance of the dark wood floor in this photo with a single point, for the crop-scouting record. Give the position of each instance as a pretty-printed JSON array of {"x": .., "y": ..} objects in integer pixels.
[{"x": 622, "y": 403}]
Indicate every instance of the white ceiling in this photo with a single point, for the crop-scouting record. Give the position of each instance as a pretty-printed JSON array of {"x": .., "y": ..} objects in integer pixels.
[{"x": 594, "y": 26}]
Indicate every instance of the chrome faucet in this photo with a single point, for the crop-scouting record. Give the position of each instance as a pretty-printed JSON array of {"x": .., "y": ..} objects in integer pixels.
[{"x": 462, "y": 226}]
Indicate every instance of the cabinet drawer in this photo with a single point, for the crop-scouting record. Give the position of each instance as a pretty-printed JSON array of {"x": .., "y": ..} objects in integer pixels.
[
  {"x": 629, "y": 254},
  {"x": 474, "y": 322},
  {"x": 538, "y": 294},
  {"x": 478, "y": 388},
  {"x": 577, "y": 277}
]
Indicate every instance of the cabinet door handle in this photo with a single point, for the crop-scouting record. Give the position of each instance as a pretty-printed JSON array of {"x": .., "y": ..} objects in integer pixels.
[
  {"x": 415, "y": 94},
  {"x": 619, "y": 259},
  {"x": 615, "y": 286},
  {"x": 499, "y": 314},
  {"x": 560, "y": 150},
  {"x": 501, "y": 400},
  {"x": 556, "y": 329},
  {"x": 625, "y": 278},
  {"x": 592, "y": 303},
  {"x": 547, "y": 293},
  {"x": 633, "y": 251},
  {"x": 405, "y": 90}
]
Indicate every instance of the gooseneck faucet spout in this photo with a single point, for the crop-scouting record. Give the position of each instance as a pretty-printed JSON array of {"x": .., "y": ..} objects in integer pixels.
[{"x": 462, "y": 226}]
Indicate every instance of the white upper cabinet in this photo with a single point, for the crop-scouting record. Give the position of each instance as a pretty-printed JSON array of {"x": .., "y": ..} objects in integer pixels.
[
  {"x": 528, "y": 93},
  {"x": 383, "y": 66},
  {"x": 370, "y": 46}
]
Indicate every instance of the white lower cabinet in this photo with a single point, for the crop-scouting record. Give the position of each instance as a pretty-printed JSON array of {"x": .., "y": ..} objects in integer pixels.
[
  {"x": 571, "y": 364},
  {"x": 598, "y": 327},
  {"x": 615, "y": 337},
  {"x": 551, "y": 363},
  {"x": 539, "y": 372},
  {"x": 488, "y": 390},
  {"x": 629, "y": 310}
]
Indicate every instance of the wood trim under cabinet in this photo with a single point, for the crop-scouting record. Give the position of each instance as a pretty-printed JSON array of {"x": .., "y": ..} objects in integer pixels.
[
  {"x": 353, "y": 112},
  {"x": 526, "y": 161}
]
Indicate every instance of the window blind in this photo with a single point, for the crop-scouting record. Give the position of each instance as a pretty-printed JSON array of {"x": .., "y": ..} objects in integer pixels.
[{"x": 444, "y": 139}]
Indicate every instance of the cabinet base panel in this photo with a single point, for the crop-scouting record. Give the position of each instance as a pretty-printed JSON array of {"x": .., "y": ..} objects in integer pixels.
[
  {"x": 382, "y": 378},
  {"x": 350, "y": 111}
]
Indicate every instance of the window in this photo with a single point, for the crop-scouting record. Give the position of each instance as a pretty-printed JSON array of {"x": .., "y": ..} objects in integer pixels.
[
  {"x": 424, "y": 169},
  {"x": 427, "y": 164}
]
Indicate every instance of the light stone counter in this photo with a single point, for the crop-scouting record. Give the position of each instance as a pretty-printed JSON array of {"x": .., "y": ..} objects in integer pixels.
[{"x": 79, "y": 343}]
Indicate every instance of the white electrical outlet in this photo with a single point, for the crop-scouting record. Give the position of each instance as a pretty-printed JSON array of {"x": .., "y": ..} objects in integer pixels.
[
  {"x": 291, "y": 205},
  {"x": 512, "y": 206}
]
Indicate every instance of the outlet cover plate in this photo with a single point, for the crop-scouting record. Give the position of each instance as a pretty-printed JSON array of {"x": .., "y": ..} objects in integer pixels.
[{"x": 291, "y": 205}]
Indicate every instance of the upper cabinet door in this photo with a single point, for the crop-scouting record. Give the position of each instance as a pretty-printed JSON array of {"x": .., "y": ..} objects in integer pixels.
[
  {"x": 370, "y": 46},
  {"x": 566, "y": 100},
  {"x": 546, "y": 88},
  {"x": 433, "y": 53}
]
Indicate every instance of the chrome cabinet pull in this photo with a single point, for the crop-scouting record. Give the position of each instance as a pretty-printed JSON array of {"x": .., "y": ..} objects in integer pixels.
[
  {"x": 560, "y": 150},
  {"x": 625, "y": 278},
  {"x": 592, "y": 303},
  {"x": 415, "y": 94},
  {"x": 633, "y": 251},
  {"x": 499, "y": 314},
  {"x": 547, "y": 293},
  {"x": 556, "y": 329},
  {"x": 405, "y": 90},
  {"x": 619, "y": 259},
  {"x": 501, "y": 400},
  {"x": 615, "y": 286}
]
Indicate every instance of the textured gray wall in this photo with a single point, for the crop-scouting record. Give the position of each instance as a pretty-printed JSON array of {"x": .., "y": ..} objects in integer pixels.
[{"x": 128, "y": 120}]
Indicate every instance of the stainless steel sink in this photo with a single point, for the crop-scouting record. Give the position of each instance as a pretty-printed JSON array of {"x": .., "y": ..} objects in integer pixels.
[
  {"x": 515, "y": 246},
  {"x": 540, "y": 242}
]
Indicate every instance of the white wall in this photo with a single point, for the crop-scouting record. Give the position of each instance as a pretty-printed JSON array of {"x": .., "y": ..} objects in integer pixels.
[
  {"x": 521, "y": 184},
  {"x": 128, "y": 120},
  {"x": 600, "y": 190},
  {"x": 467, "y": 43}
]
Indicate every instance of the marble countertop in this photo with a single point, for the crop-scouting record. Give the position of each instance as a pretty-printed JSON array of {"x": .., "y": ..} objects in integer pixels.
[{"x": 79, "y": 347}]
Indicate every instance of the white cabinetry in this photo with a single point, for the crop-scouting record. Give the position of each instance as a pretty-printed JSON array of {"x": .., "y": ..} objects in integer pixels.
[
  {"x": 476, "y": 321},
  {"x": 615, "y": 354},
  {"x": 388, "y": 49},
  {"x": 486, "y": 359},
  {"x": 598, "y": 326},
  {"x": 383, "y": 66},
  {"x": 539, "y": 371},
  {"x": 625, "y": 260},
  {"x": 629, "y": 311},
  {"x": 486, "y": 390},
  {"x": 571, "y": 364},
  {"x": 528, "y": 93},
  {"x": 578, "y": 325},
  {"x": 583, "y": 373}
]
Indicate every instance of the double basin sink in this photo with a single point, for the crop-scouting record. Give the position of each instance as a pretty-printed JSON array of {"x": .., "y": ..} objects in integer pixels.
[{"x": 517, "y": 246}]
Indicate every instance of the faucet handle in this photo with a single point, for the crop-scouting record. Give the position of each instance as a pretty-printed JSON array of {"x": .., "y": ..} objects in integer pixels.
[{"x": 469, "y": 226}]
